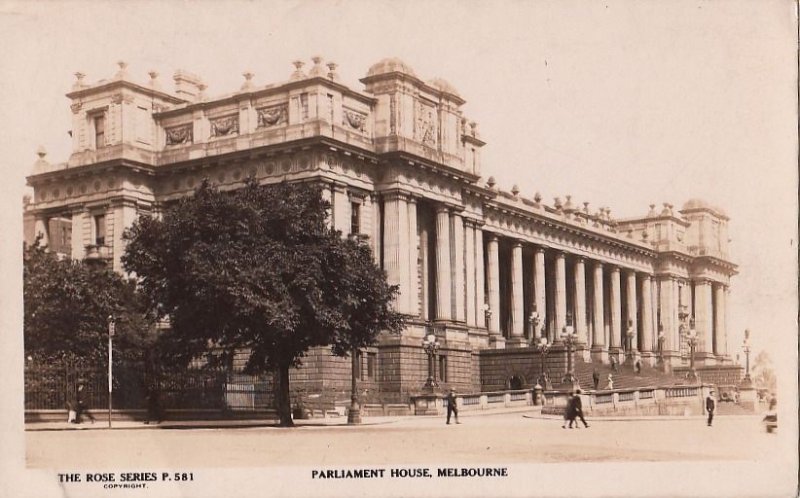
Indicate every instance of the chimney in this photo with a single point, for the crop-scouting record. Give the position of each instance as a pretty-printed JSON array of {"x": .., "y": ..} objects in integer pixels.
[{"x": 187, "y": 85}]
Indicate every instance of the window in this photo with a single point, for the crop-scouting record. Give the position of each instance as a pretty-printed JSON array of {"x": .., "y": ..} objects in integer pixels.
[
  {"x": 99, "y": 131},
  {"x": 372, "y": 359},
  {"x": 100, "y": 230},
  {"x": 443, "y": 368},
  {"x": 355, "y": 218}
]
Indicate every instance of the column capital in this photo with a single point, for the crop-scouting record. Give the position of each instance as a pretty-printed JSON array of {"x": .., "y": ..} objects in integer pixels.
[
  {"x": 597, "y": 264},
  {"x": 442, "y": 208},
  {"x": 516, "y": 243},
  {"x": 614, "y": 268},
  {"x": 491, "y": 236},
  {"x": 579, "y": 258},
  {"x": 539, "y": 249}
]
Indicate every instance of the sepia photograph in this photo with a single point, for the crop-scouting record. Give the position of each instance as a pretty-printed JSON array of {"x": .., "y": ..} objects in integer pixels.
[{"x": 447, "y": 248}]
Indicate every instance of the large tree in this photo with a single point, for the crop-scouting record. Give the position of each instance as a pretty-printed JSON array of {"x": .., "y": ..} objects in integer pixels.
[
  {"x": 67, "y": 305},
  {"x": 258, "y": 269}
]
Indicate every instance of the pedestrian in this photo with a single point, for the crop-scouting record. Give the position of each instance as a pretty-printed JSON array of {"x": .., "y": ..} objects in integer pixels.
[
  {"x": 578, "y": 409},
  {"x": 80, "y": 407},
  {"x": 153, "y": 405},
  {"x": 711, "y": 405},
  {"x": 637, "y": 366},
  {"x": 610, "y": 384},
  {"x": 451, "y": 405},
  {"x": 595, "y": 378},
  {"x": 613, "y": 362},
  {"x": 569, "y": 413}
]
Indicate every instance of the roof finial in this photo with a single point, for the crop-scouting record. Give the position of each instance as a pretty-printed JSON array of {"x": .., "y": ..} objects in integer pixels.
[
  {"x": 332, "y": 74},
  {"x": 248, "y": 83},
  {"x": 298, "y": 73}
]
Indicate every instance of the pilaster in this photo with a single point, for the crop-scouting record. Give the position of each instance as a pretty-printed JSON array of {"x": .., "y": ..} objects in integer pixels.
[{"x": 458, "y": 267}]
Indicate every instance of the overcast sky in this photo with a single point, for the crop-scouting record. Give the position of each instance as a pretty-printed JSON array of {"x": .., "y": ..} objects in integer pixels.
[{"x": 616, "y": 103}]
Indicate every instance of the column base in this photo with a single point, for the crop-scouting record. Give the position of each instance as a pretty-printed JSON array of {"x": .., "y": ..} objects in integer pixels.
[
  {"x": 599, "y": 354},
  {"x": 497, "y": 341},
  {"x": 649, "y": 358},
  {"x": 517, "y": 342}
]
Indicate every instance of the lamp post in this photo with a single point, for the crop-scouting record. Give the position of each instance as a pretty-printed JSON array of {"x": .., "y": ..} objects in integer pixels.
[
  {"x": 661, "y": 339},
  {"x": 111, "y": 330},
  {"x": 746, "y": 349},
  {"x": 544, "y": 348},
  {"x": 431, "y": 346},
  {"x": 568, "y": 336},
  {"x": 691, "y": 339},
  {"x": 487, "y": 314}
]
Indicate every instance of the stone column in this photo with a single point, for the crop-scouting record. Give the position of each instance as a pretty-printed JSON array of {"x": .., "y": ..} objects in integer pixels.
[
  {"x": 377, "y": 223},
  {"x": 561, "y": 294},
  {"x": 124, "y": 215},
  {"x": 669, "y": 315},
  {"x": 458, "y": 267},
  {"x": 703, "y": 319},
  {"x": 599, "y": 351},
  {"x": 341, "y": 209},
  {"x": 493, "y": 260},
  {"x": 469, "y": 266},
  {"x": 480, "y": 279},
  {"x": 327, "y": 195},
  {"x": 615, "y": 316},
  {"x": 720, "y": 333},
  {"x": 444, "y": 283},
  {"x": 580, "y": 303},
  {"x": 41, "y": 228},
  {"x": 78, "y": 244},
  {"x": 630, "y": 320},
  {"x": 395, "y": 247},
  {"x": 517, "y": 333},
  {"x": 647, "y": 320},
  {"x": 413, "y": 259},
  {"x": 539, "y": 290}
]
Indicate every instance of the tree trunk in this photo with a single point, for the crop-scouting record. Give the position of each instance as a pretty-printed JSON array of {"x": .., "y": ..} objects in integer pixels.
[{"x": 282, "y": 401}]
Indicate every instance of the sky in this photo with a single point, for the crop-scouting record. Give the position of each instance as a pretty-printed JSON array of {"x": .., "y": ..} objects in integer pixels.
[
  {"x": 618, "y": 103},
  {"x": 621, "y": 104}
]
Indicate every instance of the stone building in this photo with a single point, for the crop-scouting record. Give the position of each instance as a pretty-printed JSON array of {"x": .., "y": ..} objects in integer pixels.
[{"x": 481, "y": 268}]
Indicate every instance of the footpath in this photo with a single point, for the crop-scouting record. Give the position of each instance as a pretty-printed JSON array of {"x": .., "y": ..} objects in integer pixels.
[{"x": 528, "y": 412}]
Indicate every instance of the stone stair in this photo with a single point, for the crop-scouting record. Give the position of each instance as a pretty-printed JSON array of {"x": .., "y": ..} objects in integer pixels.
[{"x": 624, "y": 377}]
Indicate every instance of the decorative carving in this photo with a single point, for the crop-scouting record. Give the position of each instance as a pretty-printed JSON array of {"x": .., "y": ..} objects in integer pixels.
[
  {"x": 76, "y": 107},
  {"x": 392, "y": 115},
  {"x": 228, "y": 125},
  {"x": 271, "y": 116},
  {"x": 179, "y": 135},
  {"x": 426, "y": 124},
  {"x": 354, "y": 119}
]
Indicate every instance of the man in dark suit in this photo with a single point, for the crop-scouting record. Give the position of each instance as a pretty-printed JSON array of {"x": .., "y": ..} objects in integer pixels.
[
  {"x": 578, "y": 408},
  {"x": 711, "y": 405},
  {"x": 451, "y": 405},
  {"x": 595, "y": 378}
]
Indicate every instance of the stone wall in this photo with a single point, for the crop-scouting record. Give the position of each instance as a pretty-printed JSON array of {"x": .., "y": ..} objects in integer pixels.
[{"x": 498, "y": 366}]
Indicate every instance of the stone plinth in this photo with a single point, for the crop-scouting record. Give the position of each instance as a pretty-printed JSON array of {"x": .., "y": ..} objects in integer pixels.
[{"x": 428, "y": 404}]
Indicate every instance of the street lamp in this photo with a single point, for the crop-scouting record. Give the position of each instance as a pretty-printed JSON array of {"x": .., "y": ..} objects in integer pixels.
[
  {"x": 544, "y": 347},
  {"x": 111, "y": 331},
  {"x": 431, "y": 346},
  {"x": 746, "y": 350},
  {"x": 487, "y": 314},
  {"x": 691, "y": 339},
  {"x": 661, "y": 339},
  {"x": 569, "y": 337}
]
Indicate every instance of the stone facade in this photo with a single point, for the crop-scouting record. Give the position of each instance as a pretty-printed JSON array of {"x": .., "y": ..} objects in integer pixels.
[{"x": 481, "y": 268}]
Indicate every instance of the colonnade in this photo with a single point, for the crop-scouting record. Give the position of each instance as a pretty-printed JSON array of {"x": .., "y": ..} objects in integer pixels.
[{"x": 614, "y": 310}]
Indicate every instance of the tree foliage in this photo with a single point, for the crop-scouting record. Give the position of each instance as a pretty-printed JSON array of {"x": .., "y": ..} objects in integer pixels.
[
  {"x": 67, "y": 305},
  {"x": 259, "y": 270},
  {"x": 763, "y": 373}
]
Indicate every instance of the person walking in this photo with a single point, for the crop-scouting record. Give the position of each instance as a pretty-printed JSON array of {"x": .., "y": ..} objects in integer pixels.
[
  {"x": 595, "y": 378},
  {"x": 613, "y": 362},
  {"x": 578, "y": 409},
  {"x": 80, "y": 407},
  {"x": 711, "y": 405},
  {"x": 451, "y": 405},
  {"x": 153, "y": 405},
  {"x": 610, "y": 383},
  {"x": 569, "y": 413}
]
